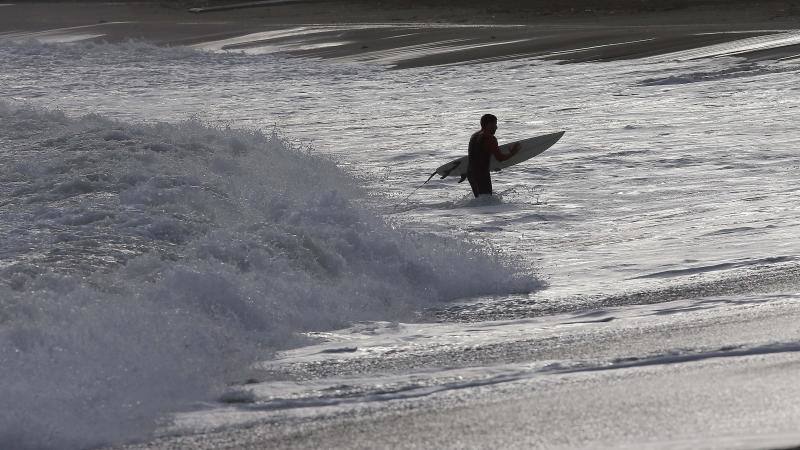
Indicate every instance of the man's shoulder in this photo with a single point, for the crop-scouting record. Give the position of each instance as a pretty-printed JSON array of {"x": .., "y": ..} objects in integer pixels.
[{"x": 481, "y": 138}]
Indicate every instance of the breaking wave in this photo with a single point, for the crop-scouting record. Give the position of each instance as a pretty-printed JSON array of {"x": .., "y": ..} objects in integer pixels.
[
  {"x": 743, "y": 69},
  {"x": 145, "y": 265}
]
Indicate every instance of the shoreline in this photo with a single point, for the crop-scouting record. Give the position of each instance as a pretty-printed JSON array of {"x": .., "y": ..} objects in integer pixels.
[
  {"x": 400, "y": 37},
  {"x": 497, "y": 7},
  {"x": 642, "y": 352}
]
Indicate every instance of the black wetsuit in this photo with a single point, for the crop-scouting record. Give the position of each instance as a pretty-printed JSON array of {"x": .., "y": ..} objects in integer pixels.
[{"x": 482, "y": 146}]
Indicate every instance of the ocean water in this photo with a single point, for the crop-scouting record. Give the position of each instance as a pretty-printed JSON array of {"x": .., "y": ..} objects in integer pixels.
[{"x": 175, "y": 219}]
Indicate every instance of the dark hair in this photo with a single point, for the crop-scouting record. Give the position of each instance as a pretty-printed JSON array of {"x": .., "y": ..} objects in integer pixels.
[{"x": 487, "y": 119}]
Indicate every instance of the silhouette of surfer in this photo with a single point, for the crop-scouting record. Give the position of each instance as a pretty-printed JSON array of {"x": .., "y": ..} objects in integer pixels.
[{"x": 482, "y": 146}]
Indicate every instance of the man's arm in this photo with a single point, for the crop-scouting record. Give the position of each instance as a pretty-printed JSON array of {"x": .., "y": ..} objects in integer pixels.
[{"x": 495, "y": 149}]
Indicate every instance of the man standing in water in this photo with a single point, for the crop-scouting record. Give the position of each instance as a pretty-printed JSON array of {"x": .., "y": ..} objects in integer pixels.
[{"x": 482, "y": 146}]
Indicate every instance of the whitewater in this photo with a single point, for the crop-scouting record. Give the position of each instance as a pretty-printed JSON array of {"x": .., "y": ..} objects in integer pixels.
[{"x": 199, "y": 241}]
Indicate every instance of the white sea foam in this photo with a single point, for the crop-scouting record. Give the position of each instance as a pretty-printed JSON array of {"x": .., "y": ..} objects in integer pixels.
[
  {"x": 674, "y": 169},
  {"x": 145, "y": 265}
]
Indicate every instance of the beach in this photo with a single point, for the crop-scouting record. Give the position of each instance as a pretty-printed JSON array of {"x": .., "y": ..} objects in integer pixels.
[
  {"x": 512, "y": 30},
  {"x": 218, "y": 235}
]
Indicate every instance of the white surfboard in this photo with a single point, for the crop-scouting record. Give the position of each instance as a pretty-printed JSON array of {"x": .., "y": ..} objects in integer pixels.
[{"x": 528, "y": 149}]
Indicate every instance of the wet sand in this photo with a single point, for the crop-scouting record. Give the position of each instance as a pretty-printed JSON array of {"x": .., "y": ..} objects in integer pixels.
[
  {"x": 428, "y": 33},
  {"x": 465, "y": 35}
]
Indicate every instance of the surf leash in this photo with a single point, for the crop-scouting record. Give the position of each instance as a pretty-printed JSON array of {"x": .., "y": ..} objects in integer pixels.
[{"x": 412, "y": 193}]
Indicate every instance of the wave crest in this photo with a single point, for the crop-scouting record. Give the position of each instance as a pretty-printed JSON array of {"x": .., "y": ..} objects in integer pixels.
[{"x": 147, "y": 264}]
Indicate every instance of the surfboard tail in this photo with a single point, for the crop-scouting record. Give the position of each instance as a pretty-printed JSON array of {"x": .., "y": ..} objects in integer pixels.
[
  {"x": 429, "y": 178},
  {"x": 447, "y": 169}
]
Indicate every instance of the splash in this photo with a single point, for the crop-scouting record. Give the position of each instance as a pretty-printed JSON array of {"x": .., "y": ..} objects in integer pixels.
[{"x": 146, "y": 265}]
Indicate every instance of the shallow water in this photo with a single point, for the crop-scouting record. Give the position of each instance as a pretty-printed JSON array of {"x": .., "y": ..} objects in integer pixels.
[{"x": 157, "y": 223}]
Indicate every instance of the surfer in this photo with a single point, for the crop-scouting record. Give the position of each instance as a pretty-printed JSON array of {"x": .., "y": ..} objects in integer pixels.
[{"x": 482, "y": 146}]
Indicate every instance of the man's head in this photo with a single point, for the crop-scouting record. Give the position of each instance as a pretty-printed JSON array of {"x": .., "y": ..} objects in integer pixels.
[{"x": 489, "y": 123}]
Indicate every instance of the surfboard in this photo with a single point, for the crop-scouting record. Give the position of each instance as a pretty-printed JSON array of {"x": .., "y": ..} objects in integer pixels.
[{"x": 528, "y": 149}]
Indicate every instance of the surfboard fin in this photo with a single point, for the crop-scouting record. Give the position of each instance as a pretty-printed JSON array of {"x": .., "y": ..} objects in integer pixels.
[
  {"x": 448, "y": 171},
  {"x": 463, "y": 177}
]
